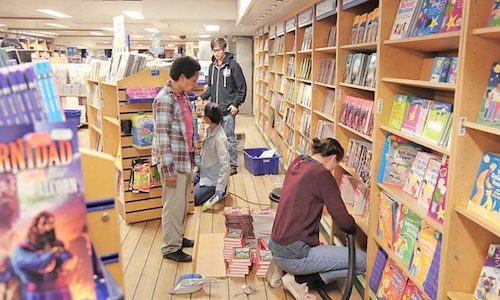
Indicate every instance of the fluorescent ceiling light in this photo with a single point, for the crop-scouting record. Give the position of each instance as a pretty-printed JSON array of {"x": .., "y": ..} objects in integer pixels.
[
  {"x": 133, "y": 14},
  {"x": 96, "y": 33},
  {"x": 2, "y": 25},
  {"x": 53, "y": 13},
  {"x": 152, "y": 30},
  {"x": 212, "y": 28},
  {"x": 56, "y": 25},
  {"x": 204, "y": 36},
  {"x": 136, "y": 36},
  {"x": 107, "y": 28},
  {"x": 170, "y": 45},
  {"x": 174, "y": 36},
  {"x": 140, "y": 45}
]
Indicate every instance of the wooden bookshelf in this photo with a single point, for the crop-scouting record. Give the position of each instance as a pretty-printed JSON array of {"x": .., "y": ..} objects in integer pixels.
[
  {"x": 403, "y": 67},
  {"x": 460, "y": 296}
]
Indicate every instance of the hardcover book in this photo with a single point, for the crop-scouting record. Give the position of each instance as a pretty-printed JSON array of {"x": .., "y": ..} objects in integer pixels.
[
  {"x": 45, "y": 244},
  {"x": 489, "y": 111}
]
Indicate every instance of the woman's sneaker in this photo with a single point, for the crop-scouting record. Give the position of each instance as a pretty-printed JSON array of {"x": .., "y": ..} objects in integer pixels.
[
  {"x": 274, "y": 275},
  {"x": 299, "y": 291}
]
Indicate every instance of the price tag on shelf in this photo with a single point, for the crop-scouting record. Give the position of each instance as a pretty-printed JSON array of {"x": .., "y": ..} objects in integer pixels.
[
  {"x": 461, "y": 128},
  {"x": 380, "y": 105}
]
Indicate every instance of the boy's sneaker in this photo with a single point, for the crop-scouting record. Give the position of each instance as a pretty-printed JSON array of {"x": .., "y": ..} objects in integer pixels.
[
  {"x": 210, "y": 202},
  {"x": 299, "y": 291},
  {"x": 234, "y": 170},
  {"x": 274, "y": 275}
]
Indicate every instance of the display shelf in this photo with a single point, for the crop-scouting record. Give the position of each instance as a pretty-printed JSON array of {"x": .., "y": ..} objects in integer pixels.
[
  {"x": 305, "y": 51},
  {"x": 411, "y": 203},
  {"x": 325, "y": 116},
  {"x": 330, "y": 86},
  {"x": 361, "y": 47},
  {"x": 440, "y": 86},
  {"x": 303, "y": 106},
  {"x": 482, "y": 128},
  {"x": 92, "y": 81},
  {"x": 95, "y": 128},
  {"x": 488, "y": 32},
  {"x": 93, "y": 106},
  {"x": 289, "y": 102},
  {"x": 304, "y": 80},
  {"x": 400, "y": 264},
  {"x": 491, "y": 226},
  {"x": 353, "y": 3},
  {"x": 460, "y": 296},
  {"x": 331, "y": 50},
  {"x": 429, "y": 43},
  {"x": 358, "y": 87},
  {"x": 111, "y": 120},
  {"x": 290, "y": 77},
  {"x": 364, "y": 136},
  {"x": 358, "y": 219},
  {"x": 417, "y": 140},
  {"x": 290, "y": 53},
  {"x": 353, "y": 173}
]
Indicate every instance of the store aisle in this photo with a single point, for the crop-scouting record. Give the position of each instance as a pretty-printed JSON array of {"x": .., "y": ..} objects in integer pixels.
[{"x": 149, "y": 276}]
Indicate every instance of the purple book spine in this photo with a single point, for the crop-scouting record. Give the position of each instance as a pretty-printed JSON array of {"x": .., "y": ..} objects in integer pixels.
[
  {"x": 378, "y": 269},
  {"x": 23, "y": 98},
  {"x": 17, "y": 97},
  {"x": 12, "y": 117},
  {"x": 34, "y": 93},
  {"x": 431, "y": 282}
]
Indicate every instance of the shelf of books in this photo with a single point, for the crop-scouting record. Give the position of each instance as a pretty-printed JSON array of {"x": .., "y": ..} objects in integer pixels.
[{"x": 409, "y": 88}]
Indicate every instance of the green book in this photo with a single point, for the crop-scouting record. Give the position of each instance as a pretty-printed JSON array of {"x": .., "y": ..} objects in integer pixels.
[
  {"x": 407, "y": 232},
  {"x": 399, "y": 109},
  {"x": 436, "y": 121}
]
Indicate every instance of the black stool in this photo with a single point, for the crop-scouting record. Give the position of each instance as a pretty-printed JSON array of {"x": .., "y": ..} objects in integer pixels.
[{"x": 321, "y": 288}]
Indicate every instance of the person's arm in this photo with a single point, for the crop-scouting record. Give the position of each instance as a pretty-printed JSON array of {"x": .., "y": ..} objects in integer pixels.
[
  {"x": 330, "y": 194},
  {"x": 223, "y": 157},
  {"x": 241, "y": 85},
  {"x": 208, "y": 92},
  {"x": 163, "y": 117}
]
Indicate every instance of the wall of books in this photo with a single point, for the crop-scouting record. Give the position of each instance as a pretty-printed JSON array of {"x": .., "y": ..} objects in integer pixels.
[{"x": 410, "y": 88}]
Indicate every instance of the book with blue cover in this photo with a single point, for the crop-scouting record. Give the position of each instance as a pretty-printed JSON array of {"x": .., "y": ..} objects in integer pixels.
[
  {"x": 429, "y": 17},
  {"x": 485, "y": 194}
]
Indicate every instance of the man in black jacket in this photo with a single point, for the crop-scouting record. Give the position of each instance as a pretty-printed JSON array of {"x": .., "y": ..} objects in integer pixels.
[{"x": 226, "y": 87}]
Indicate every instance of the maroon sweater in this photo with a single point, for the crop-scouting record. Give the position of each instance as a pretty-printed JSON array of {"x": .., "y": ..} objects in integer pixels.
[{"x": 307, "y": 187}]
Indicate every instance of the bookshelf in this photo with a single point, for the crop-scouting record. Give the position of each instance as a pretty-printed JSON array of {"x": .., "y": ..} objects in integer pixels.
[{"x": 403, "y": 67}]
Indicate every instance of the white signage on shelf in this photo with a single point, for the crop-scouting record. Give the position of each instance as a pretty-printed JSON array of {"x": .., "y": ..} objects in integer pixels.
[
  {"x": 280, "y": 29},
  {"x": 325, "y": 8},
  {"x": 305, "y": 17},
  {"x": 290, "y": 24},
  {"x": 119, "y": 35},
  {"x": 272, "y": 32}
]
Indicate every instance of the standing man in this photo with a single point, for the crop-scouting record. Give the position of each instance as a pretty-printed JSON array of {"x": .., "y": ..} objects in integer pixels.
[
  {"x": 226, "y": 87},
  {"x": 173, "y": 153}
]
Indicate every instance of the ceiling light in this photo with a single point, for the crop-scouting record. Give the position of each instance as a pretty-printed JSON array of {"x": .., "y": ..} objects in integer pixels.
[
  {"x": 170, "y": 45},
  {"x": 133, "y": 14},
  {"x": 96, "y": 33},
  {"x": 174, "y": 36},
  {"x": 53, "y": 13},
  {"x": 107, "y": 28},
  {"x": 268, "y": 10},
  {"x": 212, "y": 28},
  {"x": 273, "y": 6},
  {"x": 2, "y": 25},
  {"x": 140, "y": 45},
  {"x": 56, "y": 25},
  {"x": 204, "y": 36},
  {"x": 136, "y": 36},
  {"x": 152, "y": 30}
]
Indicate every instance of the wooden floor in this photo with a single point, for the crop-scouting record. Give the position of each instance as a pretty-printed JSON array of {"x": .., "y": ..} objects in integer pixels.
[{"x": 149, "y": 276}]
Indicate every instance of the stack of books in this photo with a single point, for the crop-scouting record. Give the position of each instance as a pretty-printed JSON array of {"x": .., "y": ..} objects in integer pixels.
[
  {"x": 307, "y": 42},
  {"x": 262, "y": 262},
  {"x": 357, "y": 113},
  {"x": 327, "y": 71},
  {"x": 233, "y": 239},
  {"x": 361, "y": 69},
  {"x": 365, "y": 28},
  {"x": 263, "y": 220},
  {"x": 240, "y": 262},
  {"x": 125, "y": 64},
  {"x": 239, "y": 218}
]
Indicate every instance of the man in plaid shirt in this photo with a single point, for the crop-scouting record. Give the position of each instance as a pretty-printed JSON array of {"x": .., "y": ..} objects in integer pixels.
[{"x": 173, "y": 153}]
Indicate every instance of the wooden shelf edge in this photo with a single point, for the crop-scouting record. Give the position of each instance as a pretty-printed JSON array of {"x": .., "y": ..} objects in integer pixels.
[
  {"x": 460, "y": 296},
  {"x": 111, "y": 120},
  {"x": 325, "y": 116},
  {"x": 483, "y": 128},
  {"x": 491, "y": 31},
  {"x": 353, "y": 173},
  {"x": 93, "y": 106},
  {"x": 363, "y": 46},
  {"x": 304, "y": 51},
  {"x": 326, "y": 49},
  {"x": 442, "y": 86},
  {"x": 422, "y": 41},
  {"x": 411, "y": 203},
  {"x": 358, "y": 87},
  {"x": 476, "y": 218},
  {"x": 325, "y": 85},
  {"x": 416, "y": 140},
  {"x": 93, "y": 127},
  {"x": 358, "y": 219},
  {"x": 304, "y": 80},
  {"x": 362, "y": 135}
]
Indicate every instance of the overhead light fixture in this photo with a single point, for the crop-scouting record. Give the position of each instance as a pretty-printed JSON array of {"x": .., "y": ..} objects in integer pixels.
[
  {"x": 204, "y": 36},
  {"x": 174, "y": 36},
  {"x": 170, "y": 45},
  {"x": 136, "y": 36},
  {"x": 152, "y": 30},
  {"x": 107, "y": 28},
  {"x": 273, "y": 6},
  {"x": 140, "y": 45},
  {"x": 268, "y": 10},
  {"x": 212, "y": 28},
  {"x": 96, "y": 33},
  {"x": 133, "y": 14},
  {"x": 56, "y": 25},
  {"x": 53, "y": 13},
  {"x": 2, "y": 25}
]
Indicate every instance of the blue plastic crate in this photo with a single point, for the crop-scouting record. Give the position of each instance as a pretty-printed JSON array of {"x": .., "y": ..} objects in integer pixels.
[
  {"x": 260, "y": 166},
  {"x": 73, "y": 116}
]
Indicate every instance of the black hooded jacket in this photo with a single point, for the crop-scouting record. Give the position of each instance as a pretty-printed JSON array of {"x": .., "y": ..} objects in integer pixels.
[{"x": 226, "y": 85}]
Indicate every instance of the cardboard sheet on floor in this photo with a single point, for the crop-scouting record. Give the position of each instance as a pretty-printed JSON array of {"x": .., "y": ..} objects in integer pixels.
[{"x": 209, "y": 259}]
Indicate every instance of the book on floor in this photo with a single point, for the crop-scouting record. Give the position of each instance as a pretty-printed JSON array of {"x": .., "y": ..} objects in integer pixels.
[
  {"x": 488, "y": 284},
  {"x": 489, "y": 111},
  {"x": 484, "y": 198}
]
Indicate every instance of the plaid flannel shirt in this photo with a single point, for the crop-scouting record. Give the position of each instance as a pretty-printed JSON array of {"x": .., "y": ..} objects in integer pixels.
[{"x": 170, "y": 147}]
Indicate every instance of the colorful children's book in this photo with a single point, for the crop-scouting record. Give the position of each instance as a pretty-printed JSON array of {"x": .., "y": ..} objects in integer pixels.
[
  {"x": 437, "y": 208},
  {"x": 400, "y": 106},
  {"x": 431, "y": 282},
  {"x": 387, "y": 219},
  {"x": 407, "y": 13},
  {"x": 417, "y": 172},
  {"x": 429, "y": 183},
  {"x": 488, "y": 285},
  {"x": 378, "y": 269},
  {"x": 416, "y": 110},
  {"x": 452, "y": 20},
  {"x": 399, "y": 154},
  {"x": 413, "y": 293},
  {"x": 437, "y": 117},
  {"x": 406, "y": 234},
  {"x": 424, "y": 252},
  {"x": 393, "y": 282},
  {"x": 452, "y": 71},
  {"x": 142, "y": 131},
  {"x": 495, "y": 14},
  {"x": 429, "y": 17},
  {"x": 484, "y": 198},
  {"x": 440, "y": 68},
  {"x": 45, "y": 244},
  {"x": 489, "y": 112}
]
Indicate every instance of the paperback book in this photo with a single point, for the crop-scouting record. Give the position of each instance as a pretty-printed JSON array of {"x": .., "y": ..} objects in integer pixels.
[
  {"x": 488, "y": 284},
  {"x": 405, "y": 19},
  {"x": 378, "y": 269},
  {"x": 393, "y": 282},
  {"x": 489, "y": 111},
  {"x": 485, "y": 194},
  {"x": 387, "y": 219},
  {"x": 423, "y": 253},
  {"x": 452, "y": 20},
  {"x": 494, "y": 19},
  {"x": 437, "y": 207},
  {"x": 406, "y": 235},
  {"x": 400, "y": 106},
  {"x": 430, "y": 16}
]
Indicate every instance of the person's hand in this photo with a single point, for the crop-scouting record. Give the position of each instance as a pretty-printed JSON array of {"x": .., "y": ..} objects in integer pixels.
[
  {"x": 171, "y": 180},
  {"x": 233, "y": 110},
  {"x": 219, "y": 193}
]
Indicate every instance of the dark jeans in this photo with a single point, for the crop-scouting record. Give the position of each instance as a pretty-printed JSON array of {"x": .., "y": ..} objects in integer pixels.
[{"x": 201, "y": 193}]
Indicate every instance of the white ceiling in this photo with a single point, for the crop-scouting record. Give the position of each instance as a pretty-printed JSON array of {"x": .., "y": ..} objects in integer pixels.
[{"x": 173, "y": 18}]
